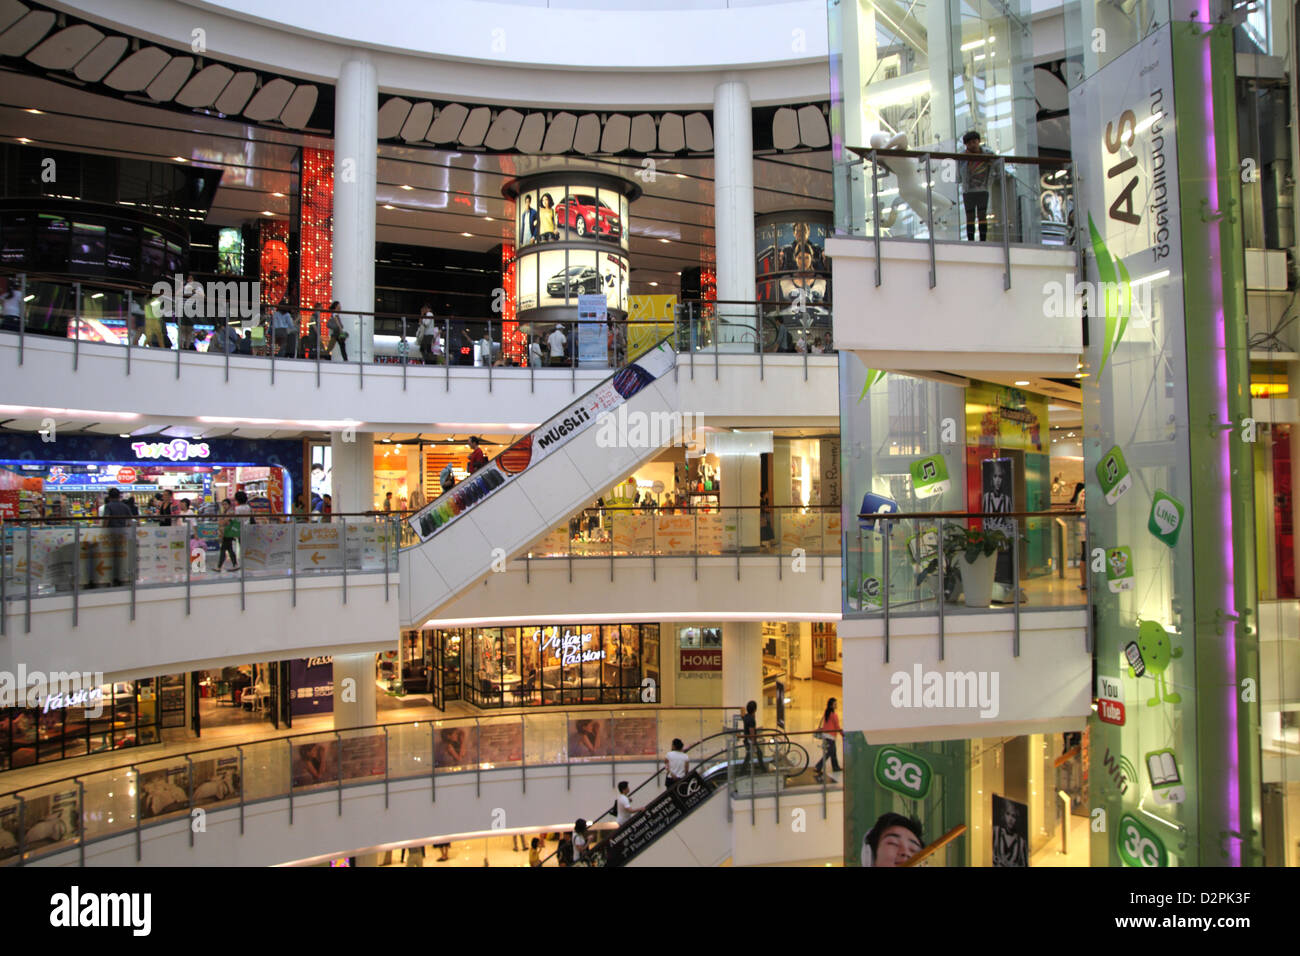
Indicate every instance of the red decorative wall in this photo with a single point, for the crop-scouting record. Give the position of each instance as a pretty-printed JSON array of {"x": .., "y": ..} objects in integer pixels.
[
  {"x": 316, "y": 232},
  {"x": 513, "y": 345},
  {"x": 273, "y": 242}
]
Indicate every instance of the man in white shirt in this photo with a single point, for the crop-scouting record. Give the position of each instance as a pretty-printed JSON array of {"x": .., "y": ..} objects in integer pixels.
[
  {"x": 557, "y": 342},
  {"x": 623, "y": 808},
  {"x": 676, "y": 764},
  {"x": 535, "y": 352}
]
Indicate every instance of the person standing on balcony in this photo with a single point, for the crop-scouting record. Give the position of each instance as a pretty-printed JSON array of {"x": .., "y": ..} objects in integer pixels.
[
  {"x": 827, "y": 730},
  {"x": 285, "y": 330},
  {"x": 749, "y": 724},
  {"x": 11, "y": 304},
  {"x": 117, "y": 515},
  {"x": 556, "y": 342},
  {"x": 975, "y": 187},
  {"x": 424, "y": 335},
  {"x": 338, "y": 334}
]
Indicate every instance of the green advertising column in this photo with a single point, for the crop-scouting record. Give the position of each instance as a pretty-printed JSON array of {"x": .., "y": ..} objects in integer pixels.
[{"x": 1175, "y": 775}]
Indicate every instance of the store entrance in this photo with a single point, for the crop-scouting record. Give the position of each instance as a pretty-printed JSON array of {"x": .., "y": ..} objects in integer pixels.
[{"x": 446, "y": 648}]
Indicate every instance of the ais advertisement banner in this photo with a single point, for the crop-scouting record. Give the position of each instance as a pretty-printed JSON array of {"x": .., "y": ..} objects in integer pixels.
[{"x": 551, "y": 435}]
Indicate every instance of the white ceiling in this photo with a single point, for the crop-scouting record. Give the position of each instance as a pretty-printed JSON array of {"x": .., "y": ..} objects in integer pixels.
[{"x": 451, "y": 192}]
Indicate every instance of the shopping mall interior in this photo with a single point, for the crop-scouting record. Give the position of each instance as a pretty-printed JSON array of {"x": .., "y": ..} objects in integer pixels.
[{"x": 413, "y": 424}]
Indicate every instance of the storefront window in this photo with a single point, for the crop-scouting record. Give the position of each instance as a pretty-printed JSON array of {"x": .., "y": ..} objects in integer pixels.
[
  {"x": 103, "y": 718},
  {"x": 560, "y": 665}
]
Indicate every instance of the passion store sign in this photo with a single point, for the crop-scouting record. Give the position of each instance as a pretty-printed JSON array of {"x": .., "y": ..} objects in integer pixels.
[{"x": 570, "y": 648}]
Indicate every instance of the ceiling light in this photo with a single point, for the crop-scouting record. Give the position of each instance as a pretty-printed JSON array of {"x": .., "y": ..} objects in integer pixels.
[
  {"x": 1022, "y": 383},
  {"x": 682, "y": 176},
  {"x": 665, "y": 240},
  {"x": 1078, "y": 375},
  {"x": 29, "y": 296},
  {"x": 407, "y": 188},
  {"x": 24, "y": 140},
  {"x": 488, "y": 218},
  {"x": 98, "y": 295},
  {"x": 267, "y": 212},
  {"x": 679, "y": 271},
  {"x": 975, "y": 44},
  {"x": 34, "y": 111},
  {"x": 654, "y": 283},
  {"x": 180, "y": 159},
  {"x": 124, "y": 435},
  {"x": 468, "y": 235},
  {"x": 278, "y": 195},
  {"x": 389, "y": 206}
]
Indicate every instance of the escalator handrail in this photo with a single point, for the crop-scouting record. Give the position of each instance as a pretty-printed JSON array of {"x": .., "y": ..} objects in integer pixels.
[
  {"x": 410, "y": 517},
  {"x": 653, "y": 778}
]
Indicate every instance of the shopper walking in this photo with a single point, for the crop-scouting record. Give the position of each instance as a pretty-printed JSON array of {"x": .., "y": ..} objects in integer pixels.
[
  {"x": 827, "y": 731},
  {"x": 581, "y": 841},
  {"x": 623, "y": 809},
  {"x": 232, "y": 531},
  {"x": 338, "y": 334},
  {"x": 749, "y": 723},
  {"x": 556, "y": 343},
  {"x": 676, "y": 763}
]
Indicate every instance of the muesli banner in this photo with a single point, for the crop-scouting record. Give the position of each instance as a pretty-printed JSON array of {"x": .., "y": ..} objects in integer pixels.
[{"x": 551, "y": 435}]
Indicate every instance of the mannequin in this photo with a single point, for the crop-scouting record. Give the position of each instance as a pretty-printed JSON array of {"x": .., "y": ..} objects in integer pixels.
[{"x": 911, "y": 183}]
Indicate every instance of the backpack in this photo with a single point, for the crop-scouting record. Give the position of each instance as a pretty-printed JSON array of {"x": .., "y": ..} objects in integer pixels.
[{"x": 446, "y": 477}]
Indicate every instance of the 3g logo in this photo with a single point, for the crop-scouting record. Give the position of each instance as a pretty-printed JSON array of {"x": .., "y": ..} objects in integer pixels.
[
  {"x": 1138, "y": 845},
  {"x": 903, "y": 772}
]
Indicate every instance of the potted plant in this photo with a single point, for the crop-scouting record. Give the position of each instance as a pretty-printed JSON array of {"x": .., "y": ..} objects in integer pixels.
[{"x": 972, "y": 552}]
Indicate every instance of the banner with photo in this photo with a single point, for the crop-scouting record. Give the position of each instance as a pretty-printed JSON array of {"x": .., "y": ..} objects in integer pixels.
[
  {"x": 164, "y": 791},
  {"x": 552, "y": 435},
  {"x": 501, "y": 742},
  {"x": 216, "y": 780},
  {"x": 636, "y": 736},
  {"x": 315, "y": 763},
  {"x": 590, "y": 737},
  {"x": 455, "y": 747},
  {"x": 362, "y": 756}
]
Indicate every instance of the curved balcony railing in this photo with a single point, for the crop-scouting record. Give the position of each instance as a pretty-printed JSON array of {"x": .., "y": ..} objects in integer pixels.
[
  {"x": 48, "y": 557},
  {"x": 88, "y": 807},
  {"x": 231, "y": 325}
]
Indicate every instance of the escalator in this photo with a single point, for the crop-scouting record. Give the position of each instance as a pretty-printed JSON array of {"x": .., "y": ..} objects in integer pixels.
[
  {"x": 685, "y": 824},
  {"x": 539, "y": 481}
]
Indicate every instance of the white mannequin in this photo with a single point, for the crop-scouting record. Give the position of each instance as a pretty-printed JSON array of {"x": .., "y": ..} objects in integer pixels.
[{"x": 911, "y": 182}]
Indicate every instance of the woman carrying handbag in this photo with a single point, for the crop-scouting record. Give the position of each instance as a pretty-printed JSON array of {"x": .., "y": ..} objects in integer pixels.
[{"x": 826, "y": 732}]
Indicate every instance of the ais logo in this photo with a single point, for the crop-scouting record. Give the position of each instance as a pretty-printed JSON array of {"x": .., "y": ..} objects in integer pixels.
[
  {"x": 1138, "y": 845},
  {"x": 903, "y": 772}
]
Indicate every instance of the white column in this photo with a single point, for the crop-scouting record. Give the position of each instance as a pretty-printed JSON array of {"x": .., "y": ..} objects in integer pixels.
[
  {"x": 356, "y": 120},
  {"x": 354, "y": 690},
  {"x": 742, "y": 663},
  {"x": 352, "y": 476},
  {"x": 733, "y": 210}
]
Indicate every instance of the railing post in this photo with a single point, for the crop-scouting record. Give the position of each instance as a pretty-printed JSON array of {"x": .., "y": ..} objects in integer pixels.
[
  {"x": 22, "y": 315},
  {"x": 189, "y": 788},
  {"x": 690, "y": 311},
  {"x": 875, "y": 210},
  {"x": 319, "y": 337},
  {"x": 27, "y": 578},
  {"x": 76, "y": 569},
  {"x": 943, "y": 588},
  {"x": 130, "y": 330},
  {"x": 191, "y": 534},
  {"x": 76, "y": 341},
  {"x": 242, "y": 785},
  {"x": 133, "y": 559},
  {"x": 389, "y": 527},
  {"x": 695, "y": 551},
  {"x": 289, "y": 755},
  {"x": 1015, "y": 582},
  {"x": 293, "y": 560},
  {"x": 81, "y": 823},
  {"x": 717, "y": 328},
  {"x": 523, "y": 739},
  {"x": 135, "y": 776},
  {"x": 338, "y": 743},
  {"x": 1006, "y": 226},
  {"x": 386, "y": 771},
  {"x": 573, "y": 356},
  {"x": 433, "y": 769},
  {"x": 22, "y": 829},
  {"x": 884, "y": 585},
  {"x": 489, "y": 355},
  {"x": 243, "y": 605},
  {"x": 4, "y": 607},
  {"x": 478, "y": 760},
  {"x": 405, "y": 352},
  {"x": 343, "y": 550},
  {"x": 446, "y": 354},
  {"x": 929, "y": 216}
]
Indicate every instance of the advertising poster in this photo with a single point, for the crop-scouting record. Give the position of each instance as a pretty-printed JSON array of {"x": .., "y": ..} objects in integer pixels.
[
  {"x": 315, "y": 763},
  {"x": 554, "y": 542},
  {"x": 633, "y": 532},
  {"x": 636, "y": 736},
  {"x": 319, "y": 547},
  {"x": 162, "y": 553},
  {"x": 710, "y": 532},
  {"x": 50, "y": 819},
  {"x": 362, "y": 756},
  {"x": 164, "y": 791},
  {"x": 675, "y": 534},
  {"x": 542, "y": 441},
  {"x": 267, "y": 547},
  {"x": 592, "y": 333},
  {"x": 311, "y": 686},
  {"x": 661, "y": 814},
  {"x": 216, "y": 780},
  {"x": 8, "y": 831},
  {"x": 590, "y": 737},
  {"x": 455, "y": 747},
  {"x": 501, "y": 742},
  {"x": 650, "y": 318},
  {"x": 562, "y": 275},
  {"x": 1010, "y": 832}
]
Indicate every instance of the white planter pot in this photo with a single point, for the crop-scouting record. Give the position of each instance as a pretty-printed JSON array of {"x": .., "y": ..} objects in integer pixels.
[{"x": 977, "y": 579}]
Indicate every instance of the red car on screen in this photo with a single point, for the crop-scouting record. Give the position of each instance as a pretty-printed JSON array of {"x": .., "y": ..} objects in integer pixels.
[{"x": 585, "y": 214}]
